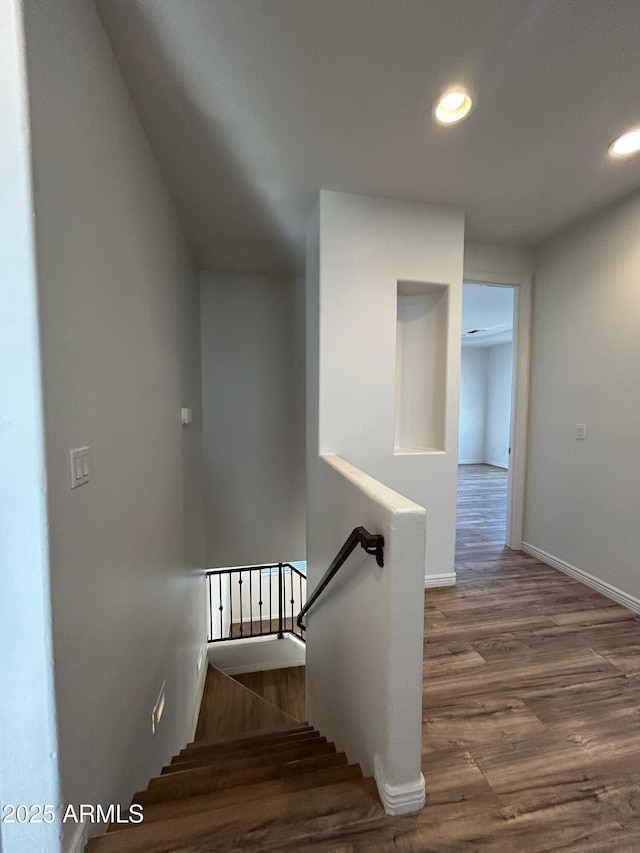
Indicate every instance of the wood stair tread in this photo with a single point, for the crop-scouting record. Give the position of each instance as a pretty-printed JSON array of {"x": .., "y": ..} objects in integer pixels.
[
  {"x": 247, "y": 793},
  {"x": 253, "y": 778},
  {"x": 280, "y": 756},
  {"x": 254, "y": 748},
  {"x": 248, "y": 738},
  {"x": 280, "y": 818},
  {"x": 230, "y": 709},
  {"x": 179, "y": 786}
]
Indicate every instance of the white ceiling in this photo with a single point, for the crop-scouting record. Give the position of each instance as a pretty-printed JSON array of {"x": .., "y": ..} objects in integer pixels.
[{"x": 252, "y": 106}]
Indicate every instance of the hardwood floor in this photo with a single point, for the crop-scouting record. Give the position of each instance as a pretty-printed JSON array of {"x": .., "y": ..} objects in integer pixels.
[
  {"x": 531, "y": 706},
  {"x": 228, "y": 708},
  {"x": 284, "y": 688},
  {"x": 531, "y": 730}
]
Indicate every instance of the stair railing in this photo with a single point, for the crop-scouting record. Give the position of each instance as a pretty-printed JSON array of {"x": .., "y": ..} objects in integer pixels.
[
  {"x": 373, "y": 543},
  {"x": 254, "y": 601}
]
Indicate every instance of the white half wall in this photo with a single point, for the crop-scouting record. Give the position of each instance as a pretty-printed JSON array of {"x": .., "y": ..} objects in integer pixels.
[
  {"x": 120, "y": 339},
  {"x": 254, "y": 420},
  {"x": 367, "y": 253},
  {"x": 473, "y": 405},
  {"x": 365, "y": 634},
  {"x": 28, "y": 740},
  {"x": 499, "y": 373},
  {"x": 582, "y": 496}
]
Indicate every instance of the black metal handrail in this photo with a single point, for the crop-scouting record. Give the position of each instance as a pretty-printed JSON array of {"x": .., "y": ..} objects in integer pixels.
[
  {"x": 258, "y": 590},
  {"x": 373, "y": 543}
]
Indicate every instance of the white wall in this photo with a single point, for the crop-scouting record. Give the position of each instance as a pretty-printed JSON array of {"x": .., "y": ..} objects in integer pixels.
[
  {"x": 487, "y": 262},
  {"x": 485, "y": 405},
  {"x": 253, "y": 404},
  {"x": 364, "y": 637},
  {"x": 120, "y": 350},
  {"x": 28, "y": 742},
  {"x": 582, "y": 496},
  {"x": 499, "y": 370},
  {"x": 473, "y": 405},
  {"x": 366, "y": 246}
]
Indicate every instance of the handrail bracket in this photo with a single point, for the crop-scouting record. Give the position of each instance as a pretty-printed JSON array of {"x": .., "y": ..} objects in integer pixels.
[{"x": 372, "y": 543}]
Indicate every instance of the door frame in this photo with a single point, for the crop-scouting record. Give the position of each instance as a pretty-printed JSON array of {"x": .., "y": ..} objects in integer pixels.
[{"x": 519, "y": 393}]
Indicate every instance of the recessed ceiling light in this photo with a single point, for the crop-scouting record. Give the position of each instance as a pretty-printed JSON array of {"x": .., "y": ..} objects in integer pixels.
[
  {"x": 453, "y": 105},
  {"x": 626, "y": 144}
]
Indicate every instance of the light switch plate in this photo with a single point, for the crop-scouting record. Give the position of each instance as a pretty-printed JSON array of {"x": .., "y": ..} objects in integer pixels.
[
  {"x": 79, "y": 462},
  {"x": 186, "y": 415},
  {"x": 581, "y": 431}
]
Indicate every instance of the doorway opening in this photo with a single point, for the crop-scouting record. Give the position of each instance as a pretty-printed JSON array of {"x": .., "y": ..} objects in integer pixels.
[{"x": 486, "y": 423}]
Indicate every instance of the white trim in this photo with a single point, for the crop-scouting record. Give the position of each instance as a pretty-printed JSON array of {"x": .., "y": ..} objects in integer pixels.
[
  {"x": 497, "y": 465},
  {"x": 263, "y": 666},
  {"x": 605, "y": 588},
  {"x": 79, "y": 840},
  {"x": 471, "y": 462},
  {"x": 399, "y": 799},
  {"x": 519, "y": 392},
  {"x": 277, "y": 654},
  {"x": 448, "y": 579}
]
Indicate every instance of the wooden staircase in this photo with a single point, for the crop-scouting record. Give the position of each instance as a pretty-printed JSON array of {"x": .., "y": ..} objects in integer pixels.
[{"x": 254, "y": 779}]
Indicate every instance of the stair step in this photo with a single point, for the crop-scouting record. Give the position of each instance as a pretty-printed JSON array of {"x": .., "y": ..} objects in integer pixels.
[
  {"x": 203, "y": 781},
  {"x": 284, "y": 688},
  {"x": 249, "y": 738},
  {"x": 220, "y": 768},
  {"x": 230, "y": 709},
  {"x": 279, "y": 819},
  {"x": 179, "y": 762},
  {"x": 252, "y": 748},
  {"x": 247, "y": 794},
  {"x": 244, "y": 737}
]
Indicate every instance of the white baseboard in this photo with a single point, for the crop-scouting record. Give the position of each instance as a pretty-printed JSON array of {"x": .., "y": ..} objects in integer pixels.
[
  {"x": 470, "y": 461},
  {"x": 496, "y": 464},
  {"x": 399, "y": 799},
  {"x": 256, "y": 654},
  {"x": 440, "y": 580},
  {"x": 605, "y": 588},
  {"x": 79, "y": 839}
]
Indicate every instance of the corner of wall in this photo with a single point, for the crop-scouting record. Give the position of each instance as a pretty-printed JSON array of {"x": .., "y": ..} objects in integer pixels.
[{"x": 399, "y": 799}]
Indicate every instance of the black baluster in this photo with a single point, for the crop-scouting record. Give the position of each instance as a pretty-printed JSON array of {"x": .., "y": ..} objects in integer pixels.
[
  {"x": 260, "y": 602},
  {"x": 300, "y": 596},
  {"x": 251, "y": 602},
  {"x": 291, "y": 590},
  {"x": 241, "y": 605},
  {"x": 280, "y": 603}
]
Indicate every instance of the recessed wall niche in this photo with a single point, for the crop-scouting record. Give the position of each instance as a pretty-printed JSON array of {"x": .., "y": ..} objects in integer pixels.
[{"x": 421, "y": 366}]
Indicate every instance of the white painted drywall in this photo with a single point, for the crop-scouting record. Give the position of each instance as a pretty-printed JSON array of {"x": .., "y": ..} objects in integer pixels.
[
  {"x": 28, "y": 742},
  {"x": 421, "y": 362},
  {"x": 364, "y": 637},
  {"x": 491, "y": 263},
  {"x": 253, "y": 404},
  {"x": 499, "y": 371},
  {"x": 473, "y": 405},
  {"x": 120, "y": 351},
  {"x": 582, "y": 497},
  {"x": 366, "y": 246}
]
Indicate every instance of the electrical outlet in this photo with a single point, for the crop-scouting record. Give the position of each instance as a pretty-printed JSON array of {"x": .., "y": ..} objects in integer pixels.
[
  {"x": 200, "y": 660},
  {"x": 581, "y": 431},
  {"x": 158, "y": 709}
]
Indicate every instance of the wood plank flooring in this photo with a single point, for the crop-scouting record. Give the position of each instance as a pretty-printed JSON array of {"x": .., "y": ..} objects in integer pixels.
[
  {"x": 531, "y": 706},
  {"x": 284, "y": 688},
  {"x": 228, "y": 709}
]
